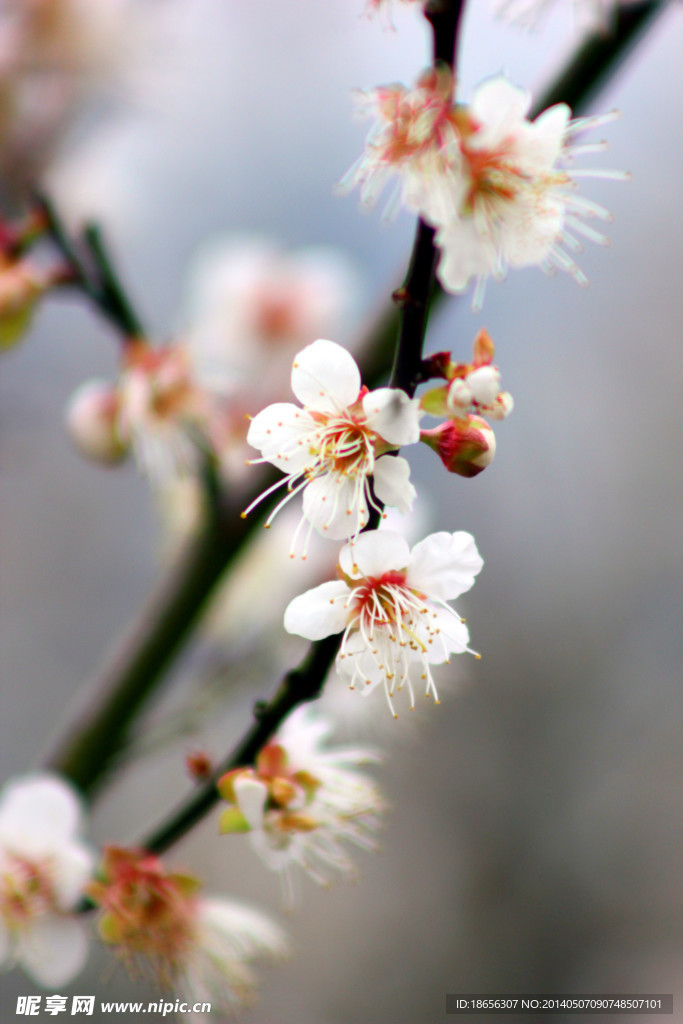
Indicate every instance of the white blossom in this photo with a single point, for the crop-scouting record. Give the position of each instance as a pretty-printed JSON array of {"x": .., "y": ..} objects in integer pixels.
[
  {"x": 500, "y": 189},
  {"x": 415, "y": 141},
  {"x": 331, "y": 446},
  {"x": 160, "y": 407},
  {"x": 199, "y": 946},
  {"x": 44, "y": 867},
  {"x": 517, "y": 204},
  {"x": 390, "y": 605},
  {"x": 227, "y": 937},
  {"x": 303, "y": 802}
]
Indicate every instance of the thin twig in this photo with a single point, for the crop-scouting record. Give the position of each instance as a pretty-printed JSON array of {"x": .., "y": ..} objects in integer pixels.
[{"x": 91, "y": 270}]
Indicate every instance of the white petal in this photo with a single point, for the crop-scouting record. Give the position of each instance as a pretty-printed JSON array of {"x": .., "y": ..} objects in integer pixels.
[
  {"x": 54, "y": 950},
  {"x": 464, "y": 254},
  {"x": 39, "y": 813},
  {"x": 377, "y": 552},
  {"x": 73, "y": 868},
  {"x": 279, "y": 432},
  {"x": 319, "y": 612},
  {"x": 248, "y": 930},
  {"x": 336, "y": 505},
  {"x": 452, "y": 637},
  {"x": 251, "y": 796},
  {"x": 497, "y": 104},
  {"x": 547, "y": 136},
  {"x": 485, "y": 384},
  {"x": 275, "y": 857},
  {"x": 325, "y": 376},
  {"x": 392, "y": 483},
  {"x": 444, "y": 565},
  {"x": 359, "y": 659},
  {"x": 393, "y": 415}
]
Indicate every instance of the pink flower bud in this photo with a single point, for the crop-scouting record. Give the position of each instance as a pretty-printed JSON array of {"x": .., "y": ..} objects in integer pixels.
[
  {"x": 465, "y": 446},
  {"x": 92, "y": 422}
]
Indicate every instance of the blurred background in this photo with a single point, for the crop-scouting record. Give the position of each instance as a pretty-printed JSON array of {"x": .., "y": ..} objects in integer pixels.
[{"x": 533, "y": 843}]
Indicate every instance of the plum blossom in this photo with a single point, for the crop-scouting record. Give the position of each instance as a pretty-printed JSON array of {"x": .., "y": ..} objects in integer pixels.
[
  {"x": 44, "y": 867},
  {"x": 159, "y": 407},
  {"x": 332, "y": 446},
  {"x": 518, "y": 204},
  {"x": 472, "y": 389},
  {"x": 390, "y": 604},
  {"x": 302, "y": 802},
  {"x": 252, "y": 304},
  {"x": 500, "y": 189},
  {"x": 466, "y": 443},
  {"x": 199, "y": 946},
  {"x": 415, "y": 139}
]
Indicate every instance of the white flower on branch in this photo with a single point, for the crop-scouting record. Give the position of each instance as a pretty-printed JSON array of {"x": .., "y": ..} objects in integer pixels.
[
  {"x": 159, "y": 407},
  {"x": 303, "y": 803},
  {"x": 500, "y": 189},
  {"x": 414, "y": 139},
  {"x": 332, "y": 446},
  {"x": 518, "y": 205},
  {"x": 391, "y": 607},
  {"x": 44, "y": 867},
  {"x": 199, "y": 946}
]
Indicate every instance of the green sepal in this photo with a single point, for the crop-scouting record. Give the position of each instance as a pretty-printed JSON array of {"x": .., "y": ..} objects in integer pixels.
[
  {"x": 232, "y": 820},
  {"x": 434, "y": 402}
]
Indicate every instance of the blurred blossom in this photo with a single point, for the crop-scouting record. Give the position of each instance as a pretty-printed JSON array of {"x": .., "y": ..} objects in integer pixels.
[
  {"x": 251, "y": 305},
  {"x": 164, "y": 407},
  {"x": 53, "y": 54},
  {"x": 44, "y": 867},
  {"x": 500, "y": 189},
  {"x": 302, "y": 802},
  {"x": 92, "y": 421},
  {"x": 199, "y": 946}
]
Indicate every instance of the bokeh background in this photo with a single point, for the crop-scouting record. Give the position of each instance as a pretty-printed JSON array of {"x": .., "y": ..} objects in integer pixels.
[{"x": 534, "y": 838}]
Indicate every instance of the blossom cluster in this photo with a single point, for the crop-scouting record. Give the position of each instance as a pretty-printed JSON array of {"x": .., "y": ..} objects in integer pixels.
[
  {"x": 155, "y": 920},
  {"x": 500, "y": 189}
]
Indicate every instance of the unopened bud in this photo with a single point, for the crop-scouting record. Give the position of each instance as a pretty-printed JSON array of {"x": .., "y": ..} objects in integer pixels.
[
  {"x": 465, "y": 446},
  {"x": 199, "y": 765},
  {"x": 484, "y": 349},
  {"x": 92, "y": 422}
]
